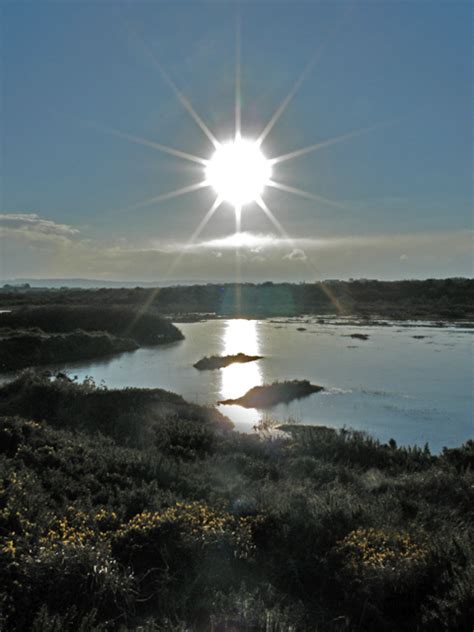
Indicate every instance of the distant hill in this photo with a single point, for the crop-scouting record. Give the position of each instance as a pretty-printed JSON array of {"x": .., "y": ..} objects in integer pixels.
[{"x": 86, "y": 283}]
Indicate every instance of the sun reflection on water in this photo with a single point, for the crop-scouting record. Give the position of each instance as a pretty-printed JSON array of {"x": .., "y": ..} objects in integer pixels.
[{"x": 241, "y": 336}]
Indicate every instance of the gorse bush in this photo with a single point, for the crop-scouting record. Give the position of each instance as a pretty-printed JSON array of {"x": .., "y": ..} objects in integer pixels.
[
  {"x": 370, "y": 549},
  {"x": 133, "y": 510}
]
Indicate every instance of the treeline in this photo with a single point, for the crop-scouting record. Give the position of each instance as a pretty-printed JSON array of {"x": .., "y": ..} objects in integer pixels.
[
  {"x": 133, "y": 510},
  {"x": 432, "y": 298}
]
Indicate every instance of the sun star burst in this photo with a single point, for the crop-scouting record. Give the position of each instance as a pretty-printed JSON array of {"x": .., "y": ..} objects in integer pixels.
[{"x": 238, "y": 170}]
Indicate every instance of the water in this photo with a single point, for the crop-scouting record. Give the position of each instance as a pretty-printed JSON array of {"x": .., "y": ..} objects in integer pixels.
[{"x": 392, "y": 385}]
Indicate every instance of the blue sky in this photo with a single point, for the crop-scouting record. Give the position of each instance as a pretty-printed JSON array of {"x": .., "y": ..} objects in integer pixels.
[{"x": 68, "y": 189}]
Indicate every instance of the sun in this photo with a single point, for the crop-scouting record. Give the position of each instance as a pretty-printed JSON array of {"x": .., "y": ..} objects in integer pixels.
[{"x": 238, "y": 171}]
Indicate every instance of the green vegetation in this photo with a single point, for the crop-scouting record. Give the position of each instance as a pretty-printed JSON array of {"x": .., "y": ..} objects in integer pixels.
[
  {"x": 442, "y": 299},
  {"x": 270, "y": 395},
  {"x": 20, "y": 349},
  {"x": 127, "y": 510},
  {"x": 219, "y": 362}
]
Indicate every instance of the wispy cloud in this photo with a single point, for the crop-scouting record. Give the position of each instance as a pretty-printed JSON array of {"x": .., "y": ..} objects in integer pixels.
[
  {"x": 32, "y": 226},
  {"x": 245, "y": 240},
  {"x": 456, "y": 239},
  {"x": 296, "y": 255}
]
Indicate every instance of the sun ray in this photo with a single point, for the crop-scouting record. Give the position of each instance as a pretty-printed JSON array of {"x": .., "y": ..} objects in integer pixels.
[
  {"x": 302, "y": 193},
  {"x": 238, "y": 282},
  {"x": 326, "y": 143},
  {"x": 202, "y": 224},
  {"x": 238, "y": 100},
  {"x": 155, "y": 292},
  {"x": 170, "y": 195},
  {"x": 301, "y": 79},
  {"x": 135, "y": 139},
  {"x": 309, "y": 264},
  {"x": 147, "y": 143},
  {"x": 187, "y": 105},
  {"x": 332, "y": 297},
  {"x": 284, "y": 104},
  {"x": 177, "y": 92},
  {"x": 238, "y": 218},
  {"x": 261, "y": 203}
]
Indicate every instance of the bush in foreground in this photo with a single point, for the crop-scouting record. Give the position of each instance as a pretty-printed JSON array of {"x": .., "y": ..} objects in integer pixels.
[{"x": 313, "y": 530}]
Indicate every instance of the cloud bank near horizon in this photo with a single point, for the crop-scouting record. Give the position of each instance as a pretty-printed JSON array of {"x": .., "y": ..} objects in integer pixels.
[{"x": 34, "y": 246}]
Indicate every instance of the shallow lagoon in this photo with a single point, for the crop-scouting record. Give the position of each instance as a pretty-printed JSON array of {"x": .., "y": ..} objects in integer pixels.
[{"x": 415, "y": 390}]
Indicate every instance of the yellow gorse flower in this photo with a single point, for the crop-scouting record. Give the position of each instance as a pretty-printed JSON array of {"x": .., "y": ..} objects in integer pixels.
[
  {"x": 9, "y": 548},
  {"x": 79, "y": 528},
  {"x": 373, "y": 548},
  {"x": 196, "y": 521}
]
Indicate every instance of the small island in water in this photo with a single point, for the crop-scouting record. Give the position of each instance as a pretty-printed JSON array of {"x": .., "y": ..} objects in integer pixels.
[
  {"x": 270, "y": 395},
  {"x": 358, "y": 336},
  {"x": 219, "y": 362}
]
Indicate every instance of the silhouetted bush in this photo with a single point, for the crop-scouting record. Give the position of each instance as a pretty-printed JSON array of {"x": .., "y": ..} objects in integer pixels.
[
  {"x": 31, "y": 348},
  {"x": 142, "y": 326}
]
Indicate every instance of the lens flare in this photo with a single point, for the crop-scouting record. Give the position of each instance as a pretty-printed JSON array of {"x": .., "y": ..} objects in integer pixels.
[{"x": 238, "y": 171}]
